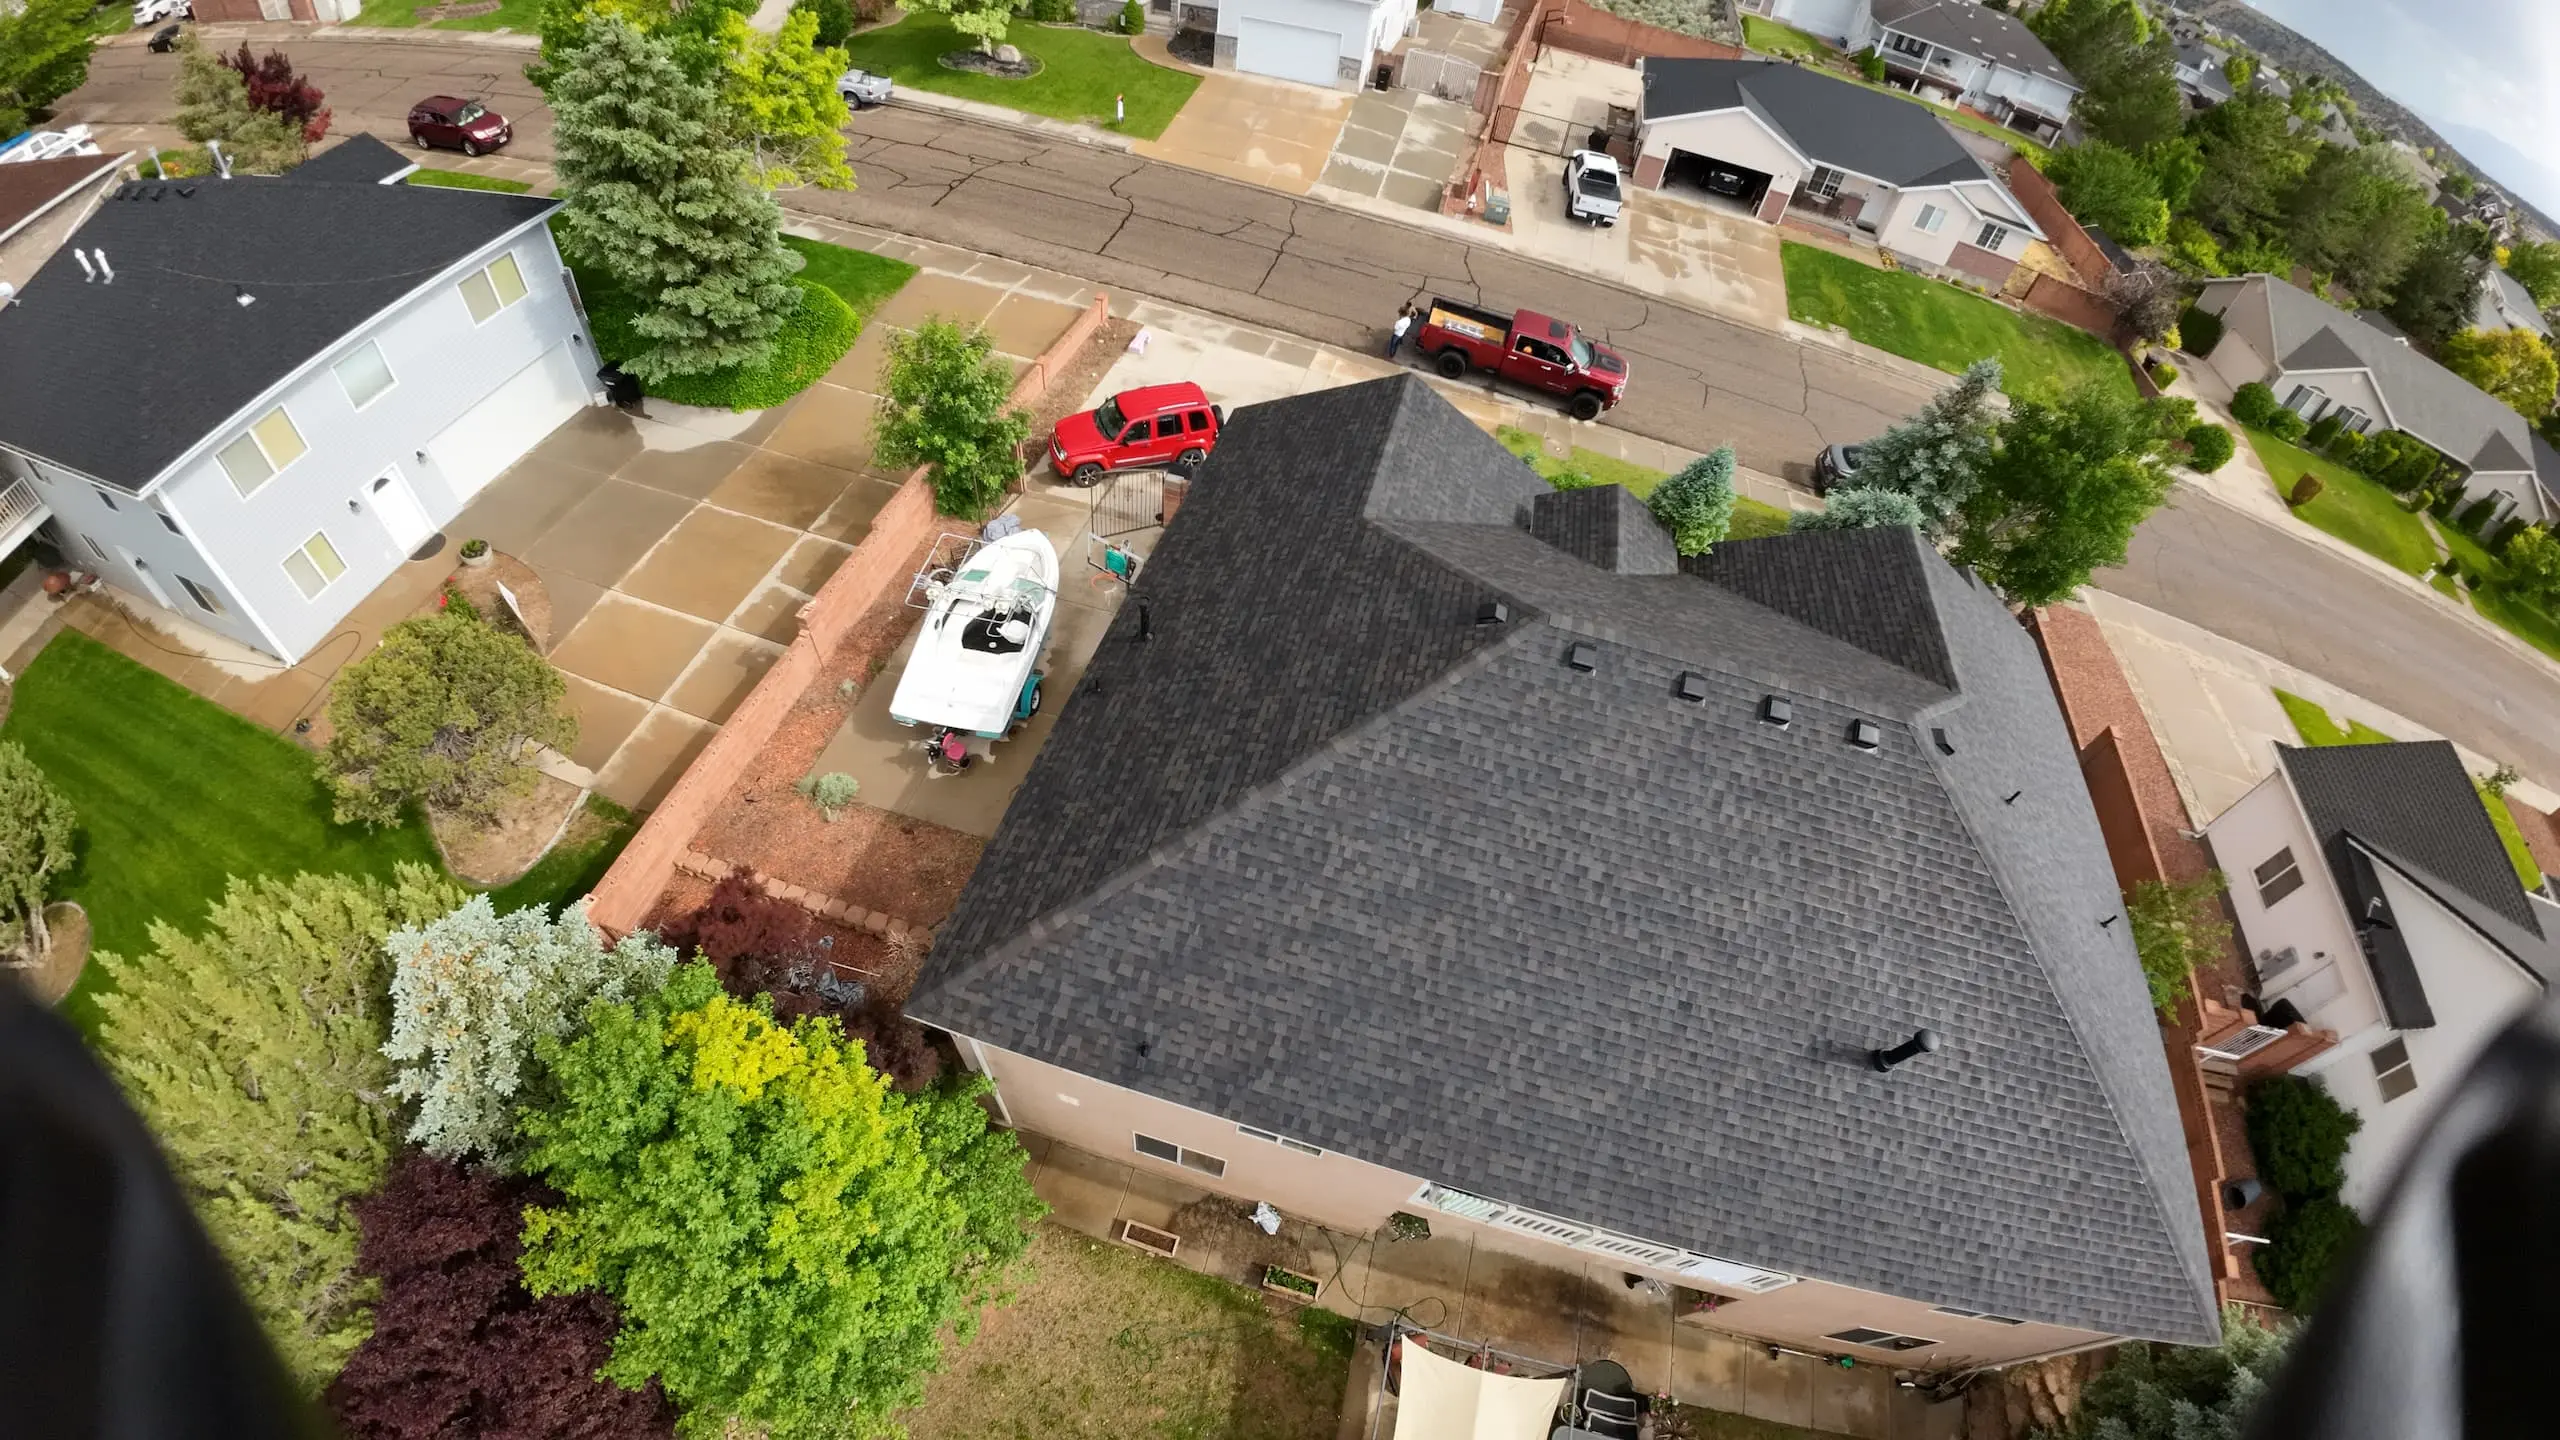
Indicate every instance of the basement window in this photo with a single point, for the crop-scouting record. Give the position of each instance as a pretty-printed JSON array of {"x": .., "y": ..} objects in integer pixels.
[
  {"x": 1880, "y": 1339},
  {"x": 2391, "y": 1070},
  {"x": 1172, "y": 1154},
  {"x": 2280, "y": 875},
  {"x": 1283, "y": 1141}
]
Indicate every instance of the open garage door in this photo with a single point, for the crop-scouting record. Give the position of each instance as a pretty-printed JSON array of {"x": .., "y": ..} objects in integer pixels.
[
  {"x": 1718, "y": 182},
  {"x": 495, "y": 433},
  {"x": 1291, "y": 52}
]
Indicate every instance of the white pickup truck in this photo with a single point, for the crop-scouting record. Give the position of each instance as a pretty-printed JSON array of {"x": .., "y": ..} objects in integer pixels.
[{"x": 1591, "y": 187}]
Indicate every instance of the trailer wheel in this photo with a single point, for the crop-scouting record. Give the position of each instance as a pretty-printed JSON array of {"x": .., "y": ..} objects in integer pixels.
[
  {"x": 1453, "y": 364},
  {"x": 1584, "y": 406},
  {"x": 1087, "y": 475}
]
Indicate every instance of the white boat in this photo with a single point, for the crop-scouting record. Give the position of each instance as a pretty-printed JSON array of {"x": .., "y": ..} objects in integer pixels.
[{"x": 976, "y": 663}]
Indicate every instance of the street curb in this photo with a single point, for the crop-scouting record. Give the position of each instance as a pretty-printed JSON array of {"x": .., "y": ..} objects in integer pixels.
[{"x": 986, "y": 114}]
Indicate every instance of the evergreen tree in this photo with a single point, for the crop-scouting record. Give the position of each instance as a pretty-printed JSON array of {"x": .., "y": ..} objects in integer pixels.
[
  {"x": 2436, "y": 295},
  {"x": 787, "y": 1236},
  {"x": 1937, "y": 456},
  {"x": 660, "y": 200},
  {"x": 2180, "y": 1392},
  {"x": 213, "y": 107},
  {"x": 1696, "y": 505},
  {"x": 254, "y": 1052},
  {"x": 36, "y": 832},
  {"x": 1861, "y": 508},
  {"x": 472, "y": 992},
  {"x": 2127, "y": 68}
]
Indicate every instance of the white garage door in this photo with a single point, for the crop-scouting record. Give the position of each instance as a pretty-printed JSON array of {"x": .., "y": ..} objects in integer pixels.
[
  {"x": 1292, "y": 52},
  {"x": 495, "y": 433}
]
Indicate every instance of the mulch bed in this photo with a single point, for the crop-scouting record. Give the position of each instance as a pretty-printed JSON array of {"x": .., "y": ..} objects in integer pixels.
[
  {"x": 856, "y": 953},
  {"x": 52, "y": 977},
  {"x": 1195, "y": 47},
  {"x": 495, "y": 854},
  {"x": 479, "y": 584},
  {"x": 1073, "y": 389}
]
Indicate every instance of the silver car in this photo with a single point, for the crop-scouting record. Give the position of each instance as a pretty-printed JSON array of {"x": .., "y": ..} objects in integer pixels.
[{"x": 861, "y": 89}]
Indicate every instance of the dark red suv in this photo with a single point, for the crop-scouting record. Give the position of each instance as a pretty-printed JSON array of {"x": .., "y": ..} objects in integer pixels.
[
  {"x": 1151, "y": 425},
  {"x": 457, "y": 124}
]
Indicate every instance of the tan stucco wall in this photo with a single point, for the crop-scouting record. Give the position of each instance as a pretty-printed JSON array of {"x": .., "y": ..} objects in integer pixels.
[{"x": 1349, "y": 1194}]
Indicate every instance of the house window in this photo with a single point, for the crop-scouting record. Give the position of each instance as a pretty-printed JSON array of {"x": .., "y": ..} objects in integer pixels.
[
  {"x": 314, "y": 565},
  {"x": 168, "y": 521},
  {"x": 103, "y": 497},
  {"x": 94, "y": 547},
  {"x": 363, "y": 374},
  {"x": 2391, "y": 1070},
  {"x": 1931, "y": 218},
  {"x": 1825, "y": 184},
  {"x": 2278, "y": 877},
  {"x": 2306, "y": 402},
  {"x": 204, "y": 596},
  {"x": 1906, "y": 44},
  {"x": 2351, "y": 418},
  {"x": 1283, "y": 1141},
  {"x": 1880, "y": 1339},
  {"x": 1172, "y": 1154},
  {"x": 1993, "y": 236},
  {"x": 269, "y": 446},
  {"x": 489, "y": 291}
]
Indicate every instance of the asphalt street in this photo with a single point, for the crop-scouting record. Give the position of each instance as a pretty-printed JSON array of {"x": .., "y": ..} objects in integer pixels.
[{"x": 1337, "y": 276}]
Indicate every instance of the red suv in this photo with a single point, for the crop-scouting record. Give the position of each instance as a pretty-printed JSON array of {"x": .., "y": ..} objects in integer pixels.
[
  {"x": 458, "y": 124},
  {"x": 1152, "y": 425}
]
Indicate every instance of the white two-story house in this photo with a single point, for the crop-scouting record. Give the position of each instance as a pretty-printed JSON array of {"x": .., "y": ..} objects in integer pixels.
[
  {"x": 1333, "y": 43},
  {"x": 248, "y": 400},
  {"x": 2377, "y": 902},
  {"x": 1952, "y": 51}
]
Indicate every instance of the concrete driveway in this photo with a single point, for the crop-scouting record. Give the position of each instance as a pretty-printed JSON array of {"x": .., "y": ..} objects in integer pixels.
[
  {"x": 1399, "y": 146},
  {"x": 1264, "y": 132}
]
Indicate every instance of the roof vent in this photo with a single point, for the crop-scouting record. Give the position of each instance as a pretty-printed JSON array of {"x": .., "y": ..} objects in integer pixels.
[
  {"x": 1865, "y": 734},
  {"x": 1938, "y": 737},
  {"x": 88, "y": 272},
  {"x": 1493, "y": 612},
  {"x": 1693, "y": 686},
  {"x": 1582, "y": 655},
  {"x": 1775, "y": 710},
  {"x": 1922, "y": 1042}
]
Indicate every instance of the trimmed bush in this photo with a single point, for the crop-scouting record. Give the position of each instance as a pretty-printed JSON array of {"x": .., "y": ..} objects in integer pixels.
[
  {"x": 806, "y": 347},
  {"x": 1133, "y": 18},
  {"x": 2441, "y": 503},
  {"x": 2305, "y": 490},
  {"x": 1696, "y": 504},
  {"x": 2477, "y": 513},
  {"x": 2252, "y": 404},
  {"x": 2199, "y": 331},
  {"x": 2164, "y": 374},
  {"x": 2300, "y": 1133},
  {"x": 2508, "y": 529},
  {"x": 2322, "y": 432},
  {"x": 1054, "y": 12},
  {"x": 2347, "y": 448},
  {"x": 2306, "y": 1245},
  {"x": 1871, "y": 65},
  {"x": 2212, "y": 447},
  {"x": 2288, "y": 427}
]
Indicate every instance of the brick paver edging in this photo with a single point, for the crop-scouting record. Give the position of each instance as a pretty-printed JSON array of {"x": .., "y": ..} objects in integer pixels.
[
  {"x": 824, "y": 906},
  {"x": 876, "y": 568}
]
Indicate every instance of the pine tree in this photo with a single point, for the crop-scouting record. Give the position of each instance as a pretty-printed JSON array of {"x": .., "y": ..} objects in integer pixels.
[
  {"x": 213, "y": 106},
  {"x": 659, "y": 198},
  {"x": 1937, "y": 456},
  {"x": 474, "y": 991},
  {"x": 254, "y": 1052},
  {"x": 1696, "y": 505},
  {"x": 2178, "y": 1392},
  {"x": 1861, "y": 508}
]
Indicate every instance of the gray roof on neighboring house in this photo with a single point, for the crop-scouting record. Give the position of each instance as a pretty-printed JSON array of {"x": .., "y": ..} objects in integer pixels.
[
  {"x": 2412, "y": 806},
  {"x": 118, "y": 380},
  {"x": 1970, "y": 29},
  {"x": 358, "y": 158},
  {"x": 1326, "y": 855},
  {"x": 2506, "y": 305},
  {"x": 1829, "y": 121},
  {"x": 2426, "y": 399}
]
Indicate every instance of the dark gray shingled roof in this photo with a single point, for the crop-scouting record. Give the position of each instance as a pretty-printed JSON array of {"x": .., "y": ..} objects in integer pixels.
[
  {"x": 2415, "y": 800},
  {"x": 118, "y": 380},
  {"x": 1969, "y": 29},
  {"x": 358, "y": 159},
  {"x": 1831, "y": 122},
  {"x": 1359, "y": 869}
]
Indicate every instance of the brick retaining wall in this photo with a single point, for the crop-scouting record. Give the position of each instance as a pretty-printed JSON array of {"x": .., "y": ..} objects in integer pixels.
[{"x": 875, "y": 570}]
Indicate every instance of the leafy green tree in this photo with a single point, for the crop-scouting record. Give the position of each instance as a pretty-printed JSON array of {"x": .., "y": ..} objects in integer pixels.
[
  {"x": 784, "y": 109},
  {"x": 473, "y": 992},
  {"x": 441, "y": 714},
  {"x": 254, "y": 1052},
  {"x": 2113, "y": 190},
  {"x": 2177, "y": 165},
  {"x": 2251, "y": 161},
  {"x": 2535, "y": 264},
  {"x": 2307, "y": 1242},
  {"x": 2513, "y": 365},
  {"x": 37, "y": 828},
  {"x": 2063, "y": 491},
  {"x": 2439, "y": 289},
  {"x": 1861, "y": 508},
  {"x": 1696, "y": 503},
  {"x": 984, "y": 21},
  {"x": 44, "y": 55},
  {"x": 658, "y": 196},
  {"x": 2299, "y": 1133},
  {"x": 2177, "y": 930},
  {"x": 2240, "y": 70},
  {"x": 1938, "y": 455},
  {"x": 943, "y": 395},
  {"x": 214, "y": 108},
  {"x": 2127, "y": 69},
  {"x": 2532, "y": 558},
  {"x": 2180, "y": 1392},
  {"x": 2458, "y": 185},
  {"x": 786, "y": 1235},
  {"x": 835, "y": 19},
  {"x": 2253, "y": 404},
  {"x": 2353, "y": 216}
]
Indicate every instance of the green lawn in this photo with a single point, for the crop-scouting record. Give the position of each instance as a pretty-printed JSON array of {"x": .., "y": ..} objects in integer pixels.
[
  {"x": 466, "y": 180},
  {"x": 2350, "y": 506},
  {"x": 523, "y": 16},
  {"x": 175, "y": 795},
  {"x": 809, "y": 345},
  {"x": 2317, "y": 728},
  {"x": 1082, "y": 71},
  {"x": 1771, "y": 38},
  {"x": 1937, "y": 324},
  {"x": 1751, "y": 518},
  {"x": 2521, "y": 618},
  {"x": 2519, "y": 854}
]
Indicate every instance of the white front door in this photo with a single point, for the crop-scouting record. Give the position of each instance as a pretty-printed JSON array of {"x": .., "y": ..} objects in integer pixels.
[
  {"x": 403, "y": 518},
  {"x": 512, "y": 419},
  {"x": 1291, "y": 52}
]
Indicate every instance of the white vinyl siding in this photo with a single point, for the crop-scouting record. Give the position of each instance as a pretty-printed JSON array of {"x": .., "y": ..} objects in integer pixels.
[
  {"x": 267, "y": 447},
  {"x": 364, "y": 374},
  {"x": 315, "y": 565}
]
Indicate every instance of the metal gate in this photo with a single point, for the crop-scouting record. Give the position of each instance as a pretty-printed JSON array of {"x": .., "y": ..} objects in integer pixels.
[{"x": 1437, "y": 72}]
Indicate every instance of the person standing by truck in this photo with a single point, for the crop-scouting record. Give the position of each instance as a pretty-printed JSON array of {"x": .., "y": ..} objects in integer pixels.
[{"x": 1405, "y": 321}]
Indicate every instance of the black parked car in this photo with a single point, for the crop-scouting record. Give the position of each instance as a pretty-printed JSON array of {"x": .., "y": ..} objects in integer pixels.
[
  {"x": 1834, "y": 467},
  {"x": 164, "y": 39}
]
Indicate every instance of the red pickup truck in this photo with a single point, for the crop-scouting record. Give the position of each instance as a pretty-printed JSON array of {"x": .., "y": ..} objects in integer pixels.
[{"x": 1536, "y": 350}]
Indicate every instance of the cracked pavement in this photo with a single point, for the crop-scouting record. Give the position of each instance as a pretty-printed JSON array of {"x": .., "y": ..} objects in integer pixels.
[{"x": 1306, "y": 268}]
